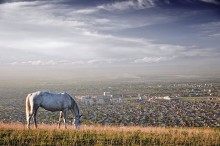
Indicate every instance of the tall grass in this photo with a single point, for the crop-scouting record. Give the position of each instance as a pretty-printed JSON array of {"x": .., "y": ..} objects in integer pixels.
[{"x": 17, "y": 134}]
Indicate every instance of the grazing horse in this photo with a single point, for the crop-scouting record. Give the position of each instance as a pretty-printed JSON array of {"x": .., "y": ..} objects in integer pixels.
[{"x": 52, "y": 102}]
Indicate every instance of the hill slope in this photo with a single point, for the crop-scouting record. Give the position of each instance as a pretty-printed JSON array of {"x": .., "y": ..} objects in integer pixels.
[{"x": 17, "y": 134}]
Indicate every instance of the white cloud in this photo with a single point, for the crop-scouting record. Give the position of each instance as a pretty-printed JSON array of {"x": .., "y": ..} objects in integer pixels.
[
  {"x": 152, "y": 59},
  {"x": 103, "y": 21},
  {"x": 211, "y": 1},
  {"x": 215, "y": 35},
  {"x": 209, "y": 30},
  {"x": 39, "y": 62},
  {"x": 79, "y": 62},
  {"x": 125, "y": 5},
  {"x": 210, "y": 27},
  {"x": 118, "y": 5},
  {"x": 86, "y": 11},
  {"x": 35, "y": 63},
  {"x": 66, "y": 62},
  {"x": 100, "y": 61},
  {"x": 15, "y": 63}
]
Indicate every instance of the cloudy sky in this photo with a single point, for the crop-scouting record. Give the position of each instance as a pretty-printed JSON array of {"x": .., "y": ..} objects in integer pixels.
[{"x": 160, "y": 35}]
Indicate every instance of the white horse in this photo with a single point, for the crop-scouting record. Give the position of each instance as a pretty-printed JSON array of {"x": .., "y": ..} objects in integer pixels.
[{"x": 52, "y": 102}]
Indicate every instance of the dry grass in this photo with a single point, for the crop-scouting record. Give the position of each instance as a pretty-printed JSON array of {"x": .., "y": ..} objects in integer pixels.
[{"x": 17, "y": 134}]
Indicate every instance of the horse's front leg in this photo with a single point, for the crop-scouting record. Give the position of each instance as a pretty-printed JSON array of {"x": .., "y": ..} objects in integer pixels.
[
  {"x": 65, "y": 116},
  {"x": 60, "y": 118}
]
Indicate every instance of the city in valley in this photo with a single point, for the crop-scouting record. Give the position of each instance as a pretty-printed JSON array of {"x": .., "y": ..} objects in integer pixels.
[{"x": 181, "y": 102}]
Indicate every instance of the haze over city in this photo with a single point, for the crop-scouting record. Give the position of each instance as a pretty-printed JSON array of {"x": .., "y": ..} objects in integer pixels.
[{"x": 127, "y": 38}]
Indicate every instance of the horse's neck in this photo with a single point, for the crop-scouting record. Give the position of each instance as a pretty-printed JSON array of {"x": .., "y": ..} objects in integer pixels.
[{"x": 75, "y": 108}]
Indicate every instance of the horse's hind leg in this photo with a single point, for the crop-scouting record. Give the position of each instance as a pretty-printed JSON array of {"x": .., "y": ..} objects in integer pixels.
[
  {"x": 33, "y": 111},
  {"x": 60, "y": 118},
  {"x": 29, "y": 119},
  {"x": 35, "y": 119}
]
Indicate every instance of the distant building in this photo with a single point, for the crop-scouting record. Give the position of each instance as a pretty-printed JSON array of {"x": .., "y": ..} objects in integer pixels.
[
  {"x": 167, "y": 98},
  {"x": 139, "y": 97},
  {"x": 116, "y": 100},
  {"x": 192, "y": 94},
  {"x": 107, "y": 94},
  {"x": 102, "y": 100},
  {"x": 88, "y": 100}
]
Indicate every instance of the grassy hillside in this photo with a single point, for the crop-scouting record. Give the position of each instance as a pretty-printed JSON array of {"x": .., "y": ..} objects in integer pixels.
[{"x": 17, "y": 134}]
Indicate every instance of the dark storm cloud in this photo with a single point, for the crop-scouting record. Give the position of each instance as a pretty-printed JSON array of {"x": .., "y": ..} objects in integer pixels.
[
  {"x": 87, "y": 32},
  {"x": 160, "y": 3},
  {"x": 189, "y": 3}
]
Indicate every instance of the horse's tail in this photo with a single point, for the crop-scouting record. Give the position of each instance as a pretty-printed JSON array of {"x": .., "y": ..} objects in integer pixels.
[{"x": 28, "y": 106}]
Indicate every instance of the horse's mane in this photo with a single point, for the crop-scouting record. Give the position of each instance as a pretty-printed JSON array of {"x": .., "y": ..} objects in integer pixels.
[{"x": 74, "y": 104}]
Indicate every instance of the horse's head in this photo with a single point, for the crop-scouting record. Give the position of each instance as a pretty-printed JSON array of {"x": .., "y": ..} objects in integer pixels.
[{"x": 77, "y": 121}]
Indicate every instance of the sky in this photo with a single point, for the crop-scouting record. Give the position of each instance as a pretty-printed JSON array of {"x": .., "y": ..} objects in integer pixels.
[{"x": 125, "y": 36}]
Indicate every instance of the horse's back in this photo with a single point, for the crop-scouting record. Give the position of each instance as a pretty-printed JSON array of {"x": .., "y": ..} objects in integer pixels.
[
  {"x": 51, "y": 101},
  {"x": 34, "y": 96}
]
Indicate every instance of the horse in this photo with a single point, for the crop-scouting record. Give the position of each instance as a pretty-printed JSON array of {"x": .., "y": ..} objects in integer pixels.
[{"x": 52, "y": 102}]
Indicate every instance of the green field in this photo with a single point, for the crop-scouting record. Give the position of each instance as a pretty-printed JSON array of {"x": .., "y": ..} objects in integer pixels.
[{"x": 17, "y": 134}]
